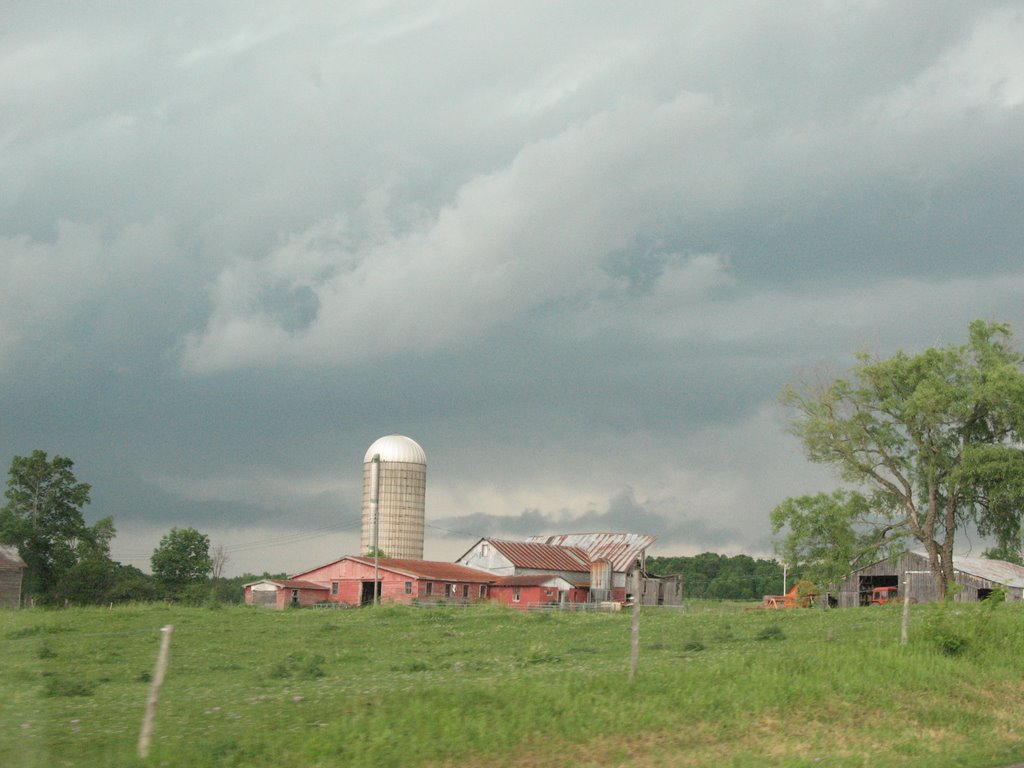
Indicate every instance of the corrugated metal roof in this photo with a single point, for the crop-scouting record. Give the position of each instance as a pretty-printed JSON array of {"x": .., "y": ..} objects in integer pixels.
[
  {"x": 621, "y": 549},
  {"x": 429, "y": 569},
  {"x": 529, "y": 580},
  {"x": 9, "y": 557},
  {"x": 542, "y": 556},
  {"x": 998, "y": 571}
]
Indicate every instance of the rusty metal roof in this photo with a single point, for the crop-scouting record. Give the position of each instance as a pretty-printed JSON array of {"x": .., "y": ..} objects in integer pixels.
[
  {"x": 9, "y": 557},
  {"x": 621, "y": 549},
  {"x": 543, "y": 556},
  {"x": 428, "y": 569},
  {"x": 528, "y": 580}
]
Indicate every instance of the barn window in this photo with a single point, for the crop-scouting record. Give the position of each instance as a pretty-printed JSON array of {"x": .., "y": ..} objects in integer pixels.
[
  {"x": 515, "y": 594},
  {"x": 483, "y": 590},
  {"x": 465, "y": 590},
  {"x": 408, "y": 587},
  {"x": 485, "y": 549},
  {"x": 430, "y": 588},
  {"x": 450, "y": 590},
  {"x": 334, "y": 588}
]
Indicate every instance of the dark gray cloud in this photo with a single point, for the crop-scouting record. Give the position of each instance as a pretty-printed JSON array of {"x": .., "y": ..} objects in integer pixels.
[
  {"x": 238, "y": 245},
  {"x": 623, "y": 514}
]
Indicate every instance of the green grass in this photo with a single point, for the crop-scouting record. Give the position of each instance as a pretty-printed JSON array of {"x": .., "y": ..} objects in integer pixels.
[{"x": 490, "y": 687}]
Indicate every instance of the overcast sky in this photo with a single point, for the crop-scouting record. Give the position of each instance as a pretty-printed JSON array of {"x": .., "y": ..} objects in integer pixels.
[{"x": 573, "y": 249}]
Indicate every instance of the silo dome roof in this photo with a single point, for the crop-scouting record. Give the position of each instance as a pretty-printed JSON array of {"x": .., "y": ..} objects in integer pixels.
[{"x": 397, "y": 448}]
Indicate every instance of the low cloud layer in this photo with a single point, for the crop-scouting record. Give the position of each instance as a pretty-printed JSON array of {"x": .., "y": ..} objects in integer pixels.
[{"x": 576, "y": 264}]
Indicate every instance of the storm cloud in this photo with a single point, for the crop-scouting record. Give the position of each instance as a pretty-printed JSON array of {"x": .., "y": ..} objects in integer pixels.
[{"x": 576, "y": 260}]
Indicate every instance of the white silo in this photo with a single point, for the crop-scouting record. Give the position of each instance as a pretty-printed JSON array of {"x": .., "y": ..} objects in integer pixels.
[{"x": 402, "y": 488}]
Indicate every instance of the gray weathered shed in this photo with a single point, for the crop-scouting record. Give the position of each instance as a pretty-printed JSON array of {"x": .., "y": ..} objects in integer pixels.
[
  {"x": 11, "y": 568},
  {"x": 975, "y": 576}
]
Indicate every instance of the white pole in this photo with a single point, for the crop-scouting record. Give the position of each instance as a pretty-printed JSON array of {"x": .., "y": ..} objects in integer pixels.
[
  {"x": 785, "y": 567},
  {"x": 374, "y": 499}
]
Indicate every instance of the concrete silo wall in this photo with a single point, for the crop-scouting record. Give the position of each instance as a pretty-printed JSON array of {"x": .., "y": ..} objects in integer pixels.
[{"x": 400, "y": 509}]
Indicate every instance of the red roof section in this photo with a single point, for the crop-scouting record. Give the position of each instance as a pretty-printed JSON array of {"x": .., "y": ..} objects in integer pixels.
[
  {"x": 529, "y": 580},
  {"x": 543, "y": 557},
  {"x": 429, "y": 569},
  {"x": 621, "y": 549}
]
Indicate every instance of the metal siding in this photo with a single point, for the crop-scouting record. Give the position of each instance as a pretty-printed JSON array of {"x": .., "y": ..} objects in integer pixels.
[
  {"x": 10, "y": 587},
  {"x": 489, "y": 559},
  {"x": 400, "y": 510}
]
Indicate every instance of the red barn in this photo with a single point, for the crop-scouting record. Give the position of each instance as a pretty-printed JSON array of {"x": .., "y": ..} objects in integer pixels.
[
  {"x": 535, "y": 589},
  {"x": 350, "y": 580}
]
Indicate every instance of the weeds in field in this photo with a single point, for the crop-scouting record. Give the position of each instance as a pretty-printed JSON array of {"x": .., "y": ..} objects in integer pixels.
[{"x": 419, "y": 687}]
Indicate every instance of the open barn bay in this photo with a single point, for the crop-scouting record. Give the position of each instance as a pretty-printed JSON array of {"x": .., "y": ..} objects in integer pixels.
[{"x": 717, "y": 685}]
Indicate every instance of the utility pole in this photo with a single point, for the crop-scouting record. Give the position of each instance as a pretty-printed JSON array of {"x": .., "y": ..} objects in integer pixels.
[{"x": 374, "y": 499}]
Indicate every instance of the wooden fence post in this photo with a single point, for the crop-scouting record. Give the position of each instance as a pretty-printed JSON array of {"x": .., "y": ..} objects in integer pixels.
[
  {"x": 146, "y": 735},
  {"x": 634, "y": 656}
]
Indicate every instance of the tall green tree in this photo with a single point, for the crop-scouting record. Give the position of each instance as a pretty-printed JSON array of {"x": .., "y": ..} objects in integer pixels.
[
  {"x": 926, "y": 435},
  {"x": 43, "y": 519},
  {"x": 829, "y": 534},
  {"x": 91, "y": 579},
  {"x": 182, "y": 559}
]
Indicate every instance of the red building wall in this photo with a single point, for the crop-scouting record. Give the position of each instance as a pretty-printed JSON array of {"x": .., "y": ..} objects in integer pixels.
[
  {"x": 505, "y": 594},
  {"x": 346, "y": 578}
]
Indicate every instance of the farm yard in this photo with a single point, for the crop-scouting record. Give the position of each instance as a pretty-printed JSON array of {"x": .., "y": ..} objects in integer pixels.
[{"x": 718, "y": 684}]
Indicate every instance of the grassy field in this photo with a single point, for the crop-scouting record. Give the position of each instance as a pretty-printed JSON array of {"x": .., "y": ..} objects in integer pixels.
[{"x": 491, "y": 687}]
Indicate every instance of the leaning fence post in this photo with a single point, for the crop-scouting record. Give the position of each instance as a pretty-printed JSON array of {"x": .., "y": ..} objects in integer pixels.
[
  {"x": 146, "y": 734},
  {"x": 906, "y": 604},
  {"x": 634, "y": 656},
  {"x": 906, "y": 616}
]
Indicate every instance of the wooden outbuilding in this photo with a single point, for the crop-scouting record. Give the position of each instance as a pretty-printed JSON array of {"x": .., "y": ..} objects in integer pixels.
[
  {"x": 12, "y": 568},
  {"x": 975, "y": 579},
  {"x": 285, "y": 593}
]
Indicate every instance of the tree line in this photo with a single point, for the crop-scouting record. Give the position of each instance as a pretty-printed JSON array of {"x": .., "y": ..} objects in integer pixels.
[
  {"x": 69, "y": 563},
  {"x": 720, "y": 577}
]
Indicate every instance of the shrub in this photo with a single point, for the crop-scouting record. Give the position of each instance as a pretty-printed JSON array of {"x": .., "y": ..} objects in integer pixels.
[
  {"x": 946, "y": 634},
  {"x": 299, "y": 665},
  {"x": 63, "y": 686},
  {"x": 771, "y": 632}
]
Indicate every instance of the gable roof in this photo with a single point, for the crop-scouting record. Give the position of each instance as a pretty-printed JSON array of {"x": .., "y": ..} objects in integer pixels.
[
  {"x": 542, "y": 556},
  {"x": 428, "y": 569},
  {"x": 620, "y": 549},
  {"x": 10, "y": 558},
  {"x": 998, "y": 571}
]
